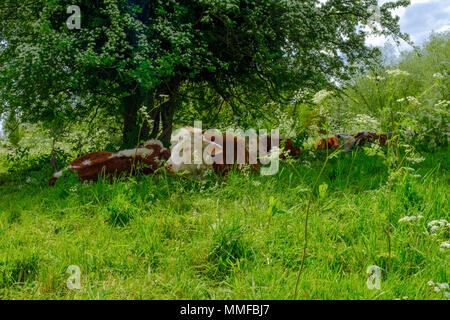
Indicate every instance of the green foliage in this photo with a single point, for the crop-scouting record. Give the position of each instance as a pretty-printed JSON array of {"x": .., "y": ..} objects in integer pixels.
[
  {"x": 130, "y": 53},
  {"x": 231, "y": 64},
  {"x": 11, "y": 128},
  {"x": 229, "y": 251},
  {"x": 411, "y": 96},
  {"x": 20, "y": 268},
  {"x": 120, "y": 211}
]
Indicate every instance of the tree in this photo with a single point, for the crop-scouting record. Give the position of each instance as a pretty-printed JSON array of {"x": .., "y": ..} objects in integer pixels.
[
  {"x": 12, "y": 129},
  {"x": 134, "y": 53}
]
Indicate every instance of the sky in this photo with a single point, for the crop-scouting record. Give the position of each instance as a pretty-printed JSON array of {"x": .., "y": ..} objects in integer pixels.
[{"x": 418, "y": 20}]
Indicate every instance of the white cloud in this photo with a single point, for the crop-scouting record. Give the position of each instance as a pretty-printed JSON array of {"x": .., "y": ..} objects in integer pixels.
[{"x": 419, "y": 20}]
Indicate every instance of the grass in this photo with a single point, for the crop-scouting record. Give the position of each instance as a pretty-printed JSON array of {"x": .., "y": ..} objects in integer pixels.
[{"x": 238, "y": 238}]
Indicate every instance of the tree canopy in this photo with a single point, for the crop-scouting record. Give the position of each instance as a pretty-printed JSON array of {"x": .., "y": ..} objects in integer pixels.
[{"x": 134, "y": 53}]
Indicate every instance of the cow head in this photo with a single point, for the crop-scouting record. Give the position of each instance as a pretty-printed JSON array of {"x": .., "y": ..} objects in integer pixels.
[{"x": 192, "y": 150}]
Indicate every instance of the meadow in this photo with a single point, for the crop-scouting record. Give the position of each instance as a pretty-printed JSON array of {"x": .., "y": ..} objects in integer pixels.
[
  {"x": 372, "y": 223},
  {"x": 238, "y": 237}
]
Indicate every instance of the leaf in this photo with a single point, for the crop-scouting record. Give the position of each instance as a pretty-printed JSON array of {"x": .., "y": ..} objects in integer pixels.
[
  {"x": 273, "y": 207},
  {"x": 323, "y": 190}
]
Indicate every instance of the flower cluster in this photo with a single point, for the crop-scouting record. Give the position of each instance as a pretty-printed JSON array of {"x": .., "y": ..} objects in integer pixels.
[
  {"x": 438, "y": 287},
  {"x": 377, "y": 78},
  {"x": 410, "y": 218},
  {"x": 437, "y": 225},
  {"x": 410, "y": 99},
  {"x": 321, "y": 95},
  {"x": 445, "y": 245},
  {"x": 397, "y": 73},
  {"x": 438, "y": 75},
  {"x": 443, "y": 104},
  {"x": 145, "y": 116},
  {"x": 365, "y": 122}
]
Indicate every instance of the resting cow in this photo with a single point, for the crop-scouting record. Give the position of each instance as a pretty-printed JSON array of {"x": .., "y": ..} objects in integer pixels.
[
  {"x": 327, "y": 144},
  {"x": 288, "y": 146},
  {"x": 145, "y": 159},
  {"x": 195, "y": 151},
  {"x": 360, "y": 138},
  {"x": 348, "y": 141}
]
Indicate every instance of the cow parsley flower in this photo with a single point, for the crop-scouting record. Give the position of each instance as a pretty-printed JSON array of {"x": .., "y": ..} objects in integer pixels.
[
  {"x": 445, "y": 244},
  {"x": 438, "y": 75},
  {"x": 377, "y": 78},
  {"x": 438, "y": 287},
  {"x": 437, "y": 225},
  {"x": 321, "y": 95},
  {"x": 256, "y": 183},
  {"x": 443, "y": 104},
  {"x": 412, "y": 100},
  {"x": 416, "y": 160},
  {"x": 410, "y": 218},
  {"x": 397, "y": 73}
]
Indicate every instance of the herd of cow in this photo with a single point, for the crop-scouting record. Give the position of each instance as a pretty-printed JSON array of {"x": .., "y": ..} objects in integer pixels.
[{"x": 221, "y": 153}]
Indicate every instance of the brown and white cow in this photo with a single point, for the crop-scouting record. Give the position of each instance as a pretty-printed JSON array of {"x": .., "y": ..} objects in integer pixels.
[
  {"x": 360, "y": 138},
  {"x": 145, "y": 159},
  {"x": 195, "y": 151},
  {"x": 327, "y": 144},
  {"x": 288, "y": 146}
]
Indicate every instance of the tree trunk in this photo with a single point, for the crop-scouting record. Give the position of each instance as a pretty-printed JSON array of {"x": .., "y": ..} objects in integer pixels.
[
  {"x": 133, "y": 131},
  {"x": 156, "y": 116},
  {"x": 168, "y": 112},
  {"x": 130, "y": 130}
]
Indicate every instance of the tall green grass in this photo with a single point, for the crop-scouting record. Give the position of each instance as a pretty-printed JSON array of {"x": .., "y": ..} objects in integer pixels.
[{"x": 241, "y": 237}]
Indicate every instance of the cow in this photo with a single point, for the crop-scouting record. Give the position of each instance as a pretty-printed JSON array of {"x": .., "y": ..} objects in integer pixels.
[
  {"x": 145, "y": 159},
  {"x": 195, "y": 151},
  {"x": 288, "y": 146},
  {"x": 346, "y": 140},
  {"x": 327, "y": 144},
  {"x": 360, "y": 138}
]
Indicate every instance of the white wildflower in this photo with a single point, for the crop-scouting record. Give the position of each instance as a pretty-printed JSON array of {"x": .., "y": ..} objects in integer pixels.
[
  {"x": 437, "y": 225},
  {"x": 365, "y": 122},
  {"x": 410, "y": 218},
  {"x": 445, "y": 244},
  {"x": 416, "y": 160},
  {"x": 437, "y": 287},
  {"x": 412, "y": 100},
  {"x": 443, "y": 285},
  {"x": 443, "y": 103},
  {"x": 321, "y": 95},
  {"x": 307, "y": 164},
  {"x": 397, "y": 73},
  {"x": 377, "y": 78},
  {"x": 434, "y": 228}
]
